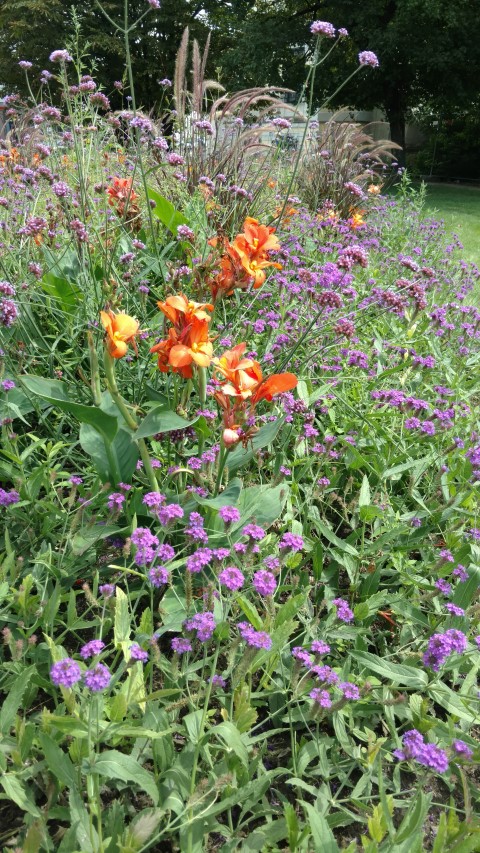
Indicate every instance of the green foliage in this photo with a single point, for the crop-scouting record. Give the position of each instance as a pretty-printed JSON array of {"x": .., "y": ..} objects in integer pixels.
[{"x": 222, "y": 608}]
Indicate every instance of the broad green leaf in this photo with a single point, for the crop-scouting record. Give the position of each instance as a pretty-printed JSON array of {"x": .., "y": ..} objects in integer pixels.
[
  {"x": 230, "y": 736},
  {"x": 58, "y": 761},
  {"x": 228, "y": 497},
  {"x": 451, "y": 701},
  {"x": 406, "y": 676},
  {"x": 114, "y": 765},
  {"x": 121, "y": 630},
  {"x": 173, "y": 611},
  {"x": 290, "y": 608},
  {"x": 144, "y": 825},
  {"x": 56, "y": 393},
  {"x": 86, "y": 834},
  {"x": 14, "y": 698},
  {"x": 364, "y": 498},
  {"x": 193, "y": 725},
  {"x": 465, "y": 592},
  {"x": 250, "y": 611},
  {"x": 166, "y": 212},
  {"x": 263, "y": 438},
  {"x": 67, "y": 295},
  {"x": 322, "y": 835},
  {"x": 161, "y": 419},
  {"x": 334, "y": 539},
  {"x": 115, "y": 462},
  {"x": 415, "y": 817},
  {"x": 263, "y": 503},
  {"x": 15, "y": 404},
  {"x": 88, "y": 536},
  {"x": 15, "y": 790}
]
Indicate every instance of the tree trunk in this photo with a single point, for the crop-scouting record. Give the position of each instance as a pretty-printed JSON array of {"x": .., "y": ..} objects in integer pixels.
[{"x": 396, "y": 120}]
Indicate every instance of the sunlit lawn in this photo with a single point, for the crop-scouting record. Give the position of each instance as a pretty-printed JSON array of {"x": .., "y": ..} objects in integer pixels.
[{"x": 459, "y": 206}]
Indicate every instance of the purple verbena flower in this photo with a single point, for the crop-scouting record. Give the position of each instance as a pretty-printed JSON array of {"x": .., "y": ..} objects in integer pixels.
[
  {"x": 232, "y": 578},
  {"x": 203, "y": 624},
  {"x": 158, "y": 575},
  {"x": 441, "y": 646},
  {"x": 137, "y": 653},
  {"x": 321, "y": 697},
  {"x": 343, "y": 610},
  {"x": 180, "y": 645},
  {"x": 255, "y": 639},
  {"x": 92, "y": 648},
  {"x": 98, "y": 678},
  {"x": 264, "y": 582},
  {"x": 65, "y": 673},
  {"x": 367, "y": 57}
]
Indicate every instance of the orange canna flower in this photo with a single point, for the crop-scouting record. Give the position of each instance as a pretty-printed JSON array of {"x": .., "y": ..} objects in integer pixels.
[
  {"x": 242, "y": 374},
  {"x": 188, "y": 343},
  {"x": 121, "y": 331},
  {"x": 287, "y": 214},
  {"x": 121, "y": 190},
  {"x": 245, "y": 379},
  {"x": 243, "y": 389},
  {"x": 356, "y": 221},
  {"x": 374, "y": 189},
  {"x": 253, "y": 246},
  {"x": 278, "y": 383},
  {"x": 181, "y": 310}
]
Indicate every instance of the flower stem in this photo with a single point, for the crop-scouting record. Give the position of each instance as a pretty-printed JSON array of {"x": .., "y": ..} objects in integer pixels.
[{"x": 128, "y": 418}]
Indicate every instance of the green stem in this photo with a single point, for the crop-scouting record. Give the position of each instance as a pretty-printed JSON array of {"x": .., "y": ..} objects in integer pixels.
[
  {"x": 94, "y": 371},
  {"x": 198, "y": 747},
  {"x": 128, "y": 418},
  {"x": 221, "y": 467}
]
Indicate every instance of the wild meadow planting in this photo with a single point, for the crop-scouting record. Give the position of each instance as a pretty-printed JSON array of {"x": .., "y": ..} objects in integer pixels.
[{"x": 240, "y": 462}]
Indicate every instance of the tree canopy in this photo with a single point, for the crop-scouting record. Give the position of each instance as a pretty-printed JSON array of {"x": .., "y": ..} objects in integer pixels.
[{"x": 428, "y": 49}]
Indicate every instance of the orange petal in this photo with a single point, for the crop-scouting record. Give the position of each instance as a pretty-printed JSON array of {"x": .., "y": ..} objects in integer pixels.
[
  {"x": 276, "y": 384},
  {"x": 180, "y": 356}
]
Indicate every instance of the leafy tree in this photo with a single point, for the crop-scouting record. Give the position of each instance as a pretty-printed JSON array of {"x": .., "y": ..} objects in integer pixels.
[
  {"x": 427, "y": 49},
  {"x": 153, "y": 43}
]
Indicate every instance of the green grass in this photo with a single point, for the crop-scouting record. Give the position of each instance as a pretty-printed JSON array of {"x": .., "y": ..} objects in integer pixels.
[{"x": 459, "y": 206}]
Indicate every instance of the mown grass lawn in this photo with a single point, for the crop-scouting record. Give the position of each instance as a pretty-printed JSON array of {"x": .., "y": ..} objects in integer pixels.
[{"x": 459, "y": 206}]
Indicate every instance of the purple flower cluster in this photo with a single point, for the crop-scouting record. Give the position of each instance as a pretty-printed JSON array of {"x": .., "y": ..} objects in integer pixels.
[
  {"x": 232, "y": 578},
  {"x": 441, "y": 646},
  {"x": 229, "y": 515},
  {"x": 291, "y": 542},
  {"x": 343, "y": 610},
  {"x": 264, "y": 582},
  {"x": 92, "y": 648},
  {"x": 195, "y": 529},
  {"x": 428, "y": 754},
  {"x": 203, "y": 624},
  {"x": 181, "y": 646},
  {"x": 97, "y": 678},
  {"x": 158, "y": 576},
  {"x": 137, "y": 653},
  {"x": 367, "y": 57},
  {"x": 146, "y": 544},
  {"x": 255, "y": 639},
  {"x": 322, "y": 28},
  {"x": 201, "y": 558},
  {"x": 67, "y": 672},
  {"x": 9, "y": 498}
]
